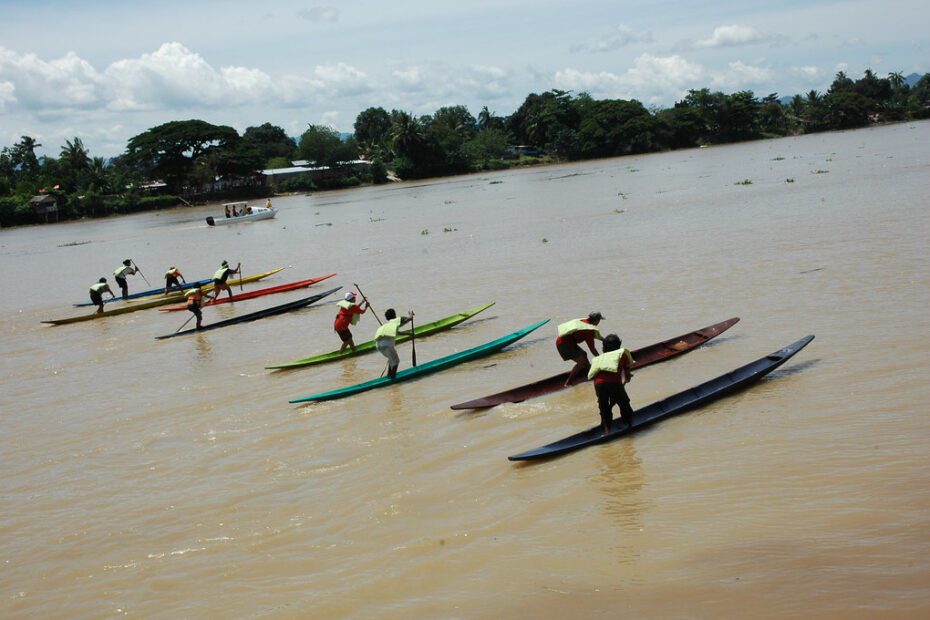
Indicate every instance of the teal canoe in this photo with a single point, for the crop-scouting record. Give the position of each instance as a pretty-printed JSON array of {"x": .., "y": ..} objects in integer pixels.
[{"x": 424, "y": 369}]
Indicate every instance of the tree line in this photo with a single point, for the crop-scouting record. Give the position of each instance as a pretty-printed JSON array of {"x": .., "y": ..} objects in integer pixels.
[{"x": 195, "y": 157}]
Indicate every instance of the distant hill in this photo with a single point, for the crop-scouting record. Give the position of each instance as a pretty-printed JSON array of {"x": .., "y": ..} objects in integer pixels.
[{"x": 912, "y": 79}]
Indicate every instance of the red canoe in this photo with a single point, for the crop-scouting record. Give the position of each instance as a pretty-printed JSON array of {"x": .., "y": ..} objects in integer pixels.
[
  {"x": 645, "y": 356},
  {"x": 259, "y": 293}
]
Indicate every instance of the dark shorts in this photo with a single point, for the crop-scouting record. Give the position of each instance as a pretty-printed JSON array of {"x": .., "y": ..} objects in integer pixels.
[
  {"x": 121, "y": 282},
  {"x": 195, "y": 310},
  {"x": 608, "y": 395},
  {"x": 219, "y": 283},
  {"x": 344, "y": 334},
  {"x": 96, "y": 298},
  {"x": 172, "y": 281},
  {"x": 569, "y": 350}
]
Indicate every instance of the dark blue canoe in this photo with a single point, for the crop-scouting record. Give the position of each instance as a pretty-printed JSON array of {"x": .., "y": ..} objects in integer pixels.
[
  {"x": 254, "y": 316},
  {"x": 149, "y": 293},
  {"x": 673, "y": 405}
]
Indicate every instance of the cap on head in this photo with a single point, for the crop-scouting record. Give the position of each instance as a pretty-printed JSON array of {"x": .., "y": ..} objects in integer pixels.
[
  {"x": 127, "y": 262},
  {"x": 595, "y": 316},
  {"x": 350, "y": 296},
  {"x": 224, "y": 264},
  {"x": 102, "y": 280}
]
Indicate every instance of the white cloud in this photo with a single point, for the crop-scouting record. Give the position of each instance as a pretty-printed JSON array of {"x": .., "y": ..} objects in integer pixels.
[
  {"x": 66, "y": 83},
  {"x": 740, "y": 75},
  {"x": 809, "y": 74},
  {"x": 452, "y": 84},
  {"x": 651, "y": 79},
  {"x": 320, "y": 14},
  {"x": 7, "y": 94},
  {"x": 622, "y": 36},
  {"x": 731, "y": 36}
]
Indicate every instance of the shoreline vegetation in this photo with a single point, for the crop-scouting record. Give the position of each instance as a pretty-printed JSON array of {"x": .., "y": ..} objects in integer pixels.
[{"x": 194, "y": 162}]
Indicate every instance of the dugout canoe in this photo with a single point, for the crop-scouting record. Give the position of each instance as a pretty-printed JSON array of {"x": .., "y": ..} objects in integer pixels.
[
  {"x": 652, "y": 354},
  {"x": 693, "y": 398},
  {"x": 254, "y": 316},
  {"x": 149, "y": 293},
  {"x": 282, "y": 288},
  {"x": 424, "y": 369},
  {"x": 154, "y": 303},
  {"x": 420, "y": 331}
]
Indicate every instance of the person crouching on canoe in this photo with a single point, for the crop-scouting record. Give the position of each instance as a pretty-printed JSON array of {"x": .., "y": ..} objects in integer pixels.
[
  {"x": 194, "y": 303},
  {"x": 96, "y": 293},
  {"x": 120, "y": 274},
  {"x": 573, "y": 332},
  {"x": 219, "y": 279},
  {"x": 387, "y": 335},
  {"x": 611, "y": 372},
  {"x": 349, "y": 314},
  {"x": 171, "y": 279}
]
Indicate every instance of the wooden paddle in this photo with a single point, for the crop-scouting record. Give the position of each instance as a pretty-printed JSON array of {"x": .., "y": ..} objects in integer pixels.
[
  {"x": 365, "y": 299},
  {"x": 413, "y": 341},
  {"x": 140, "y": 273},
  {"x": 185, "y": 323},
  {"x": 239, "y": 269}
]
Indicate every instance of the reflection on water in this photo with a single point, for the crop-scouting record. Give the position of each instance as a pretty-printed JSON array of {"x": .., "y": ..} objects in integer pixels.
[
  {"x": 204, "y": 348},
  {"x": 620, "y": 478}
]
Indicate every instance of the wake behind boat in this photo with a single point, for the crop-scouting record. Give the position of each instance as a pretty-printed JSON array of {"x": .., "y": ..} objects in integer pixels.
[
  {"x": 673, "y": 405},
  {"x": 254, "y": 316},
  {"x": 424, "y": 369},
  {"x": 246, "y": 214},
  {"x": 427, "y": 329},
  {"x": 644, "y": 356}
]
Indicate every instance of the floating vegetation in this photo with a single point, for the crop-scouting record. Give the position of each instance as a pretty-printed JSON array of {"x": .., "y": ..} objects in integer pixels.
[
  {"x": 829, "y": 159},
  {"x": 820, "y": 172},
  {"x": 544, "y": 240},
  {"x": 73, "y": 243},
  {"x": 779, "y": 158},
  {"x": 789, "y": 180},
  {"x": 376, "y": 219},
  {"x": 634, "y": 169},
  {"x": 622, "y": 195},
  {"x": 619, "y": 210},
  {"x": 448, "y": 202},
  {"x": 744, "y": 182},
  {"x": 495, "y": 182},
  {"x": 325, "y": 224},
  {"x": 449, "y": 229},
  {"x": 425, "y": 231}
]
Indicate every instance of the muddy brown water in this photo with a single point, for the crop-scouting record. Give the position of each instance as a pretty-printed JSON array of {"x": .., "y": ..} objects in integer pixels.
[{"x": 172, "y": 479}]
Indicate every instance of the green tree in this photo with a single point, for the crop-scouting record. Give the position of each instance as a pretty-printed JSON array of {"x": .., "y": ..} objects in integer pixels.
[
  {"x": 407, "y": 136},
  {"x": 266, "y": 142},
  {"x": 486, "y": 145},
  {"x": 171, "y": 151},
  {"x": 372, "y": 130},
  {"x": 23, "y": 156}
]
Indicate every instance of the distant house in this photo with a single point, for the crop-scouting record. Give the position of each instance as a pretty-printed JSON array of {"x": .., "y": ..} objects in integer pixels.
[
  {"x": 516, "y": 151},
  {"x": 45, "y": 206},
  {"x": 274, "y": 176}
]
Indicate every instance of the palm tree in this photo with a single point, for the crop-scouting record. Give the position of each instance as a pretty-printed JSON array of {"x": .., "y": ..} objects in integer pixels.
[
  {"x": 485, "y": 118},
  {"x": 406, "y": 135},
  {"x": 896, "y": 79}
]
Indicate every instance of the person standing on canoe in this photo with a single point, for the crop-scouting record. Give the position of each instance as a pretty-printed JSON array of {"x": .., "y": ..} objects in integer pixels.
[
  {"x": 386, "y": 336},
  {"x": 171, "y": 279},
  {"x": 96, "y": 293},
  {"x": 611, "y": 372},
  {"x": 120, "y": 274},
  {"x": 349, "y": 314},
  {"x": 571, "y": 334},
  {"x": 219, "y": 279},
  {"x": 194, "y": 303}
]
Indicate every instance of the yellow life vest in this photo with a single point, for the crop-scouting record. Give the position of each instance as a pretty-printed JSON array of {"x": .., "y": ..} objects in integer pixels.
[
  {"x": 119, "y": 273},
  {"x": 609, "y": 362},
  {"x": 173, "y": 272},
  {"x": 347, "y": 305},
  {"x": 220, "y": 273},
  {"x": 577, "y": 325},
  {"x": 99, "y": 287},
  {"x": 389, "y": 329}
]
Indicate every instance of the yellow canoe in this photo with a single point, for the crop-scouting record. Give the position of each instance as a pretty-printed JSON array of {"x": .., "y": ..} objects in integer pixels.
[{"x": 157, "y": 301}]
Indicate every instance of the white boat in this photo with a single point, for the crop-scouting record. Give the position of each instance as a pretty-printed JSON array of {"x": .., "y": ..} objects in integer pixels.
[{"x": 247, "y": 214}]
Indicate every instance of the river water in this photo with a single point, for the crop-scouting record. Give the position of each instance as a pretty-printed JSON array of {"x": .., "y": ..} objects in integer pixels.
[{"x": 170, "y": 479}]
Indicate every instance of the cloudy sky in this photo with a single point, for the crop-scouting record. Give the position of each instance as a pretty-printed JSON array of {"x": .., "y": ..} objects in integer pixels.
[{"x": 105, "y": 70}]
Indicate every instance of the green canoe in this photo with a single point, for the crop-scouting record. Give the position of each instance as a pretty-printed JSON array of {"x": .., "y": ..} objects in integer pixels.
[
  {"x": 421, "y": 331},
  {"x": 429, "y": 367},
  {"x": 134, "y": 306}
]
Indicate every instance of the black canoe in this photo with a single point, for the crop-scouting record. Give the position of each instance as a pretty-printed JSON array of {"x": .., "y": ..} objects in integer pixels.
[
  {"x": 254, "y": 316},
  {"x": 673, "y": 405},
  {"x": 645, "y": 356}
]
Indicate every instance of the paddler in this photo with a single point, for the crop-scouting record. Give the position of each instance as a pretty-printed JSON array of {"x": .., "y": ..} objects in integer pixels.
[
  {"x": 349, "y": 314},
  {"x": 611, "y": 372},
  {"x": 96, "y": 293},
  {"x": 126, "y": 269},
  {"x": 194, "y": 303},
  {"x": 219, "y": 279},
  {"x": 386, "y": 336},
  {"x": 267, "y": 203},
  {"x": 171, "y": 279},
  {"x": 571, "y": 334}
]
